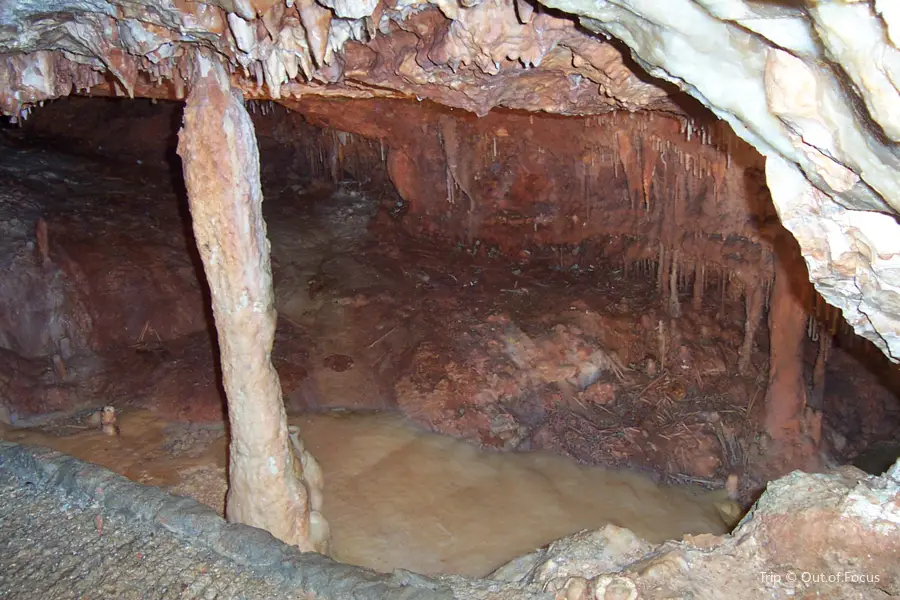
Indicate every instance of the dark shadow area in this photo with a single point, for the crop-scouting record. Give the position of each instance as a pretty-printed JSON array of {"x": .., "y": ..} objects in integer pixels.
[{"x": 174, "y": 167}]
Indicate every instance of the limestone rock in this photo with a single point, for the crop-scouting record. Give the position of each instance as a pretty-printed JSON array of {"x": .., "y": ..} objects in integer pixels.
[
  {"x": 832, "y": 535},
  {"x": 605, "y": 550}
]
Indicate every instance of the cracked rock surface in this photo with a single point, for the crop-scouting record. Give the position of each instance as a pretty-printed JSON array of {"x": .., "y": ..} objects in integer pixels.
[{"x": 56, "y": 548}]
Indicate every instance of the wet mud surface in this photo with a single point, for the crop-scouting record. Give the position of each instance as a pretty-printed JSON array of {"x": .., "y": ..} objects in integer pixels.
[{"x": 397, "y": 496}]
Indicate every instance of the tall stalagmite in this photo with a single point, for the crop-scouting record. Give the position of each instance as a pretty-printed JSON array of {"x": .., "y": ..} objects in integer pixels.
[
  {"x": 785, "y": 411},
  {"x": 220, "y": 159}
]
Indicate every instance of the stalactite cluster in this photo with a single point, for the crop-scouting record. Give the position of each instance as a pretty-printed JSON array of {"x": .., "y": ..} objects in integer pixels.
[
  {"x": 667, "y": 198},
  {"x": 787, "y": 81},
  {"x": 289, "y": 49}
]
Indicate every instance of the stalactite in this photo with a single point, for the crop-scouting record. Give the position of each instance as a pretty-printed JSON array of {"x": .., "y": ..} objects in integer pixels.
[
  {"x": 450, "y": 186},
  {"x": 718, "y": 170},
  {"x": 648, "y": 157},
  {"x": 334, "y": 158},
  {"x": 661, "y": 273},
  {"x": 340, "y": 157},
  {"x": 699, "y": 284},
  {"x": 835, "y": 315},
  {"x": 661, "y": 341},
  {"x": 178, "y": 82},
  {"x": 674, "y": 304},
  {"x": 812, "y": 328},
  {"x": 615, "y": 162},
  {"x": 590, "y": 203},
  {"x": 631, "y": 165}
]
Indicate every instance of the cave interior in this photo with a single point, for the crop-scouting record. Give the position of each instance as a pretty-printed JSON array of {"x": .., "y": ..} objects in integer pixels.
[
  {"x": 417, "y": 251},
  {"x": 516, "y": 265}
]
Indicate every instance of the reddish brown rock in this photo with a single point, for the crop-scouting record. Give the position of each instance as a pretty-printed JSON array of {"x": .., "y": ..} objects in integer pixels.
[
  {"x": 266, "y": 488},
  {"x": 825, "y": 536}
]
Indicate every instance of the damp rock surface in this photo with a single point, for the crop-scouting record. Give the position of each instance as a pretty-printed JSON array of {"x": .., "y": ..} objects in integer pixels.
[{"x": 831, "y": 535}]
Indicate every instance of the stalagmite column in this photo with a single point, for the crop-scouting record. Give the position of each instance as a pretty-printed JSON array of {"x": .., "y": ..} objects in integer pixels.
[
  {"x": 754, "y": 308},
  {"x": 218, "y": 150},
  {"x": 786, "y": 396}
]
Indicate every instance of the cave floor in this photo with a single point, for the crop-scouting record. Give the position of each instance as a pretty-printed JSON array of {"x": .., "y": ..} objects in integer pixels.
[{"x": 397, "y": 496}]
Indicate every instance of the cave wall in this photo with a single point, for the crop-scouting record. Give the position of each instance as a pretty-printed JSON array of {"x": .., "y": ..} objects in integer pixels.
[
  {"x": 568, "y": 192},
  {"x": 622, "y": 187},
  {"x": 140, "y": 133},
  {"x": 81, "y": 273},
  {"x": 619, "y": 185}
]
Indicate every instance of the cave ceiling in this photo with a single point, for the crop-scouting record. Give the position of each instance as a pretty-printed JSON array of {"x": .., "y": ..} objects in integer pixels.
[
  {"x": 475, "y": 57},
  {"x": 813, "y": 85}
]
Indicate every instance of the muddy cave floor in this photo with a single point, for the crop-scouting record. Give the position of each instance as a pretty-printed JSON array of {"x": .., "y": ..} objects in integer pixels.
[{"x": 524, "y": 353}]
